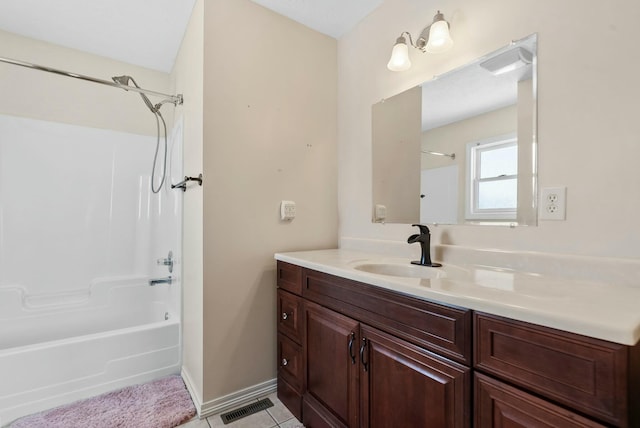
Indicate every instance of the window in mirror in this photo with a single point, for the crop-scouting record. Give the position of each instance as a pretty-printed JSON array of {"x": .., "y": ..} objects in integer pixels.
[{"x": 492, "y": 169}]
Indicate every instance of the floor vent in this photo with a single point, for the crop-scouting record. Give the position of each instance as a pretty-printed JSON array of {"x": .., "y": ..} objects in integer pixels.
[{"x": 247, "y": 410}]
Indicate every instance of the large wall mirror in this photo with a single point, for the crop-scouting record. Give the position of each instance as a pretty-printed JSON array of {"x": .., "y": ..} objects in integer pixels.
[{"x": 461, "y": 148}]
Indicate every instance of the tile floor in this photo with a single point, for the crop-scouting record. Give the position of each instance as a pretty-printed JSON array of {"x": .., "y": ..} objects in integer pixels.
[{"x": 277, "y": 416}]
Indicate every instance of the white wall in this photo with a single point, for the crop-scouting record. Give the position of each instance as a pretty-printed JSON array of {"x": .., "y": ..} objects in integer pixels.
[
  {"x": 46, "y": 96},
  {"x": 587, "y": 114},
  {"x": 187, "y": 78}
]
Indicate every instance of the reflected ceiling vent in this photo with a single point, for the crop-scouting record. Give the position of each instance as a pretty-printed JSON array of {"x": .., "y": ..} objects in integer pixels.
[{"x": 510, "y": 60}]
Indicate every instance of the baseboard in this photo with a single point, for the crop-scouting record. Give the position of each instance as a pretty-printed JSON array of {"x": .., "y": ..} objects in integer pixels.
[
  {"x": 237, "y": 399},
  {"x": 193, "y": 391}
]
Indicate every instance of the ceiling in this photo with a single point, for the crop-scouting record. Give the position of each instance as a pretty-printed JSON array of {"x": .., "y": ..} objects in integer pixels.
[
  {"x": 331, "y": 17},
  {"x": 125, "y": 30},
  {"x": 471, "y": 90},
  {"x": 149, "y": 36}
]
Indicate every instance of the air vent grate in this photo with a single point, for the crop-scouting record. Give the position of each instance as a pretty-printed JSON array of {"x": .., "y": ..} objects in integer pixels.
[{"x": 247, "y": 410}]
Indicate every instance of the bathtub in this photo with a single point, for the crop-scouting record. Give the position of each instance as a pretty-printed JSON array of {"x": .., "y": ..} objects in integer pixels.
[{"x": 58, "y": 348}]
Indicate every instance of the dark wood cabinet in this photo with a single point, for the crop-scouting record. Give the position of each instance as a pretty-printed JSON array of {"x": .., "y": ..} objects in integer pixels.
[
  {"x": 403, "y": 385},
  {"x": 290, "y": 356},
  {"x": 500, "y": 405},
  {"x": 361, "y": 356},
  {"x": 332, "y": 371},
  {"x": 594, "y": 377},
  {"x": 369, "y": 357}
]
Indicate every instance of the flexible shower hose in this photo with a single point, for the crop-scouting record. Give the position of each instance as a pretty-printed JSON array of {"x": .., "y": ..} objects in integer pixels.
[{"x": 157, "y": 114}]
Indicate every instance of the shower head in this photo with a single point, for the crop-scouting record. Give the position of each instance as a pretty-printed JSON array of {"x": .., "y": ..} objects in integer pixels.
[{"x": 124, "y": 81}]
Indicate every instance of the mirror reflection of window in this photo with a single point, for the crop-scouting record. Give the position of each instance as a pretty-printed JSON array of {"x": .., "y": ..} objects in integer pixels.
[{"x": 492, "y": 171}]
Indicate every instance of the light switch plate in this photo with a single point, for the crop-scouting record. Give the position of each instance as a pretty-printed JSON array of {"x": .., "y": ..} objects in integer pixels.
[
  {"x": 287, "y": 210},
  {"x": 380, "y": 213}
]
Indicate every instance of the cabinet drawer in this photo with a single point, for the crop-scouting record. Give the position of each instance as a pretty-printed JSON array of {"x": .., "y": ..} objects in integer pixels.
[
  {"x": 290, "y": 367},
  {"x": 443, "y": 329},
  {"x": 500, "y": 405},
  {"x": 586, "y": 374},
  {"x": 290, "y": 315},
  {"x": 289, "y": 277}
]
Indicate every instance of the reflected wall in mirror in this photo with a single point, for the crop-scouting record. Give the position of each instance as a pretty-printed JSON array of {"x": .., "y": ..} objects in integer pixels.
[{"x": 461, "y": 148}]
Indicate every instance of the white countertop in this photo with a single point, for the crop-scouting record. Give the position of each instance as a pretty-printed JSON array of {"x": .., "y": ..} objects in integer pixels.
[{"x": 596, "y": 309}]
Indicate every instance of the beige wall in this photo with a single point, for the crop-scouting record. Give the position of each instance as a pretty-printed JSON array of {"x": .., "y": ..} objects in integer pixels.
[
  {"x": 46, "y": 96},
  {"x": 187, "y": 78},
  {"x": 587, "y": 114},
  {"x": 453, "y": 138},
  {"x": 396, "y": 140},
  {"x": 269, "y": 134}
]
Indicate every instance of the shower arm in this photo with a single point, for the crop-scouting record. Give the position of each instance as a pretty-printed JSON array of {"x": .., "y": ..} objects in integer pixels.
[{"x": 173, "y": 99}]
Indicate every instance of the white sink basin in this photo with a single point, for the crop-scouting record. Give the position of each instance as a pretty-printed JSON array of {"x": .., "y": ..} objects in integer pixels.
[{"x": 405, "y": 270}]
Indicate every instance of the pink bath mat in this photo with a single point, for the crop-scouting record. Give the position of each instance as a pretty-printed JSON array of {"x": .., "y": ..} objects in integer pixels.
[{"x": 164, "y": 403}]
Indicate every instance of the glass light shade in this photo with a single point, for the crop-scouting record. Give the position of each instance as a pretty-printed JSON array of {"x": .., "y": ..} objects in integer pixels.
[
  {"x": 399, "y": 56},
  {"x": 439, "y": 37}
]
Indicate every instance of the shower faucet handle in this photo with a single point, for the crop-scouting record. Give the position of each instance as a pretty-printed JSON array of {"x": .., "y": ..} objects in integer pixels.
[{"x": 167, "y": 262}]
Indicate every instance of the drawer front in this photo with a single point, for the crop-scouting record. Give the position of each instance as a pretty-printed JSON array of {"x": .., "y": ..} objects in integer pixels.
[
  {"x": 290, "y": 362},
  {"x": 289, "y": 277},
  {"x": 445, "y": 330},
  {"x": 586, "y": 374},
  {"x": 500, "y": 405},
  {"x": 290, "y": 315}
]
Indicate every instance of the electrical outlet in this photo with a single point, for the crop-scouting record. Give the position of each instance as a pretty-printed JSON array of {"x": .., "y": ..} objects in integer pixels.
[{"x": 553, "y": 201}]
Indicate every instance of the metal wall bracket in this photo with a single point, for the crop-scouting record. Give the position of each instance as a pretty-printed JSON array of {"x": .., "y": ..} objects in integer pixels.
[{"x": 183, "y": 184}]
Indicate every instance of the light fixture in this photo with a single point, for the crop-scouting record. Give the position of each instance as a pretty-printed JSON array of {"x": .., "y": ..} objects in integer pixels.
[
  {"x": 434, "y": 38},
  {"x": 507, "y": 61}
]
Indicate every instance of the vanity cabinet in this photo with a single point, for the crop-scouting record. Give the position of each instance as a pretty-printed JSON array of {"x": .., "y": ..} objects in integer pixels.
[
  {"x": 331, "y": 354},
  {"x": 370, "y": 360},
  {"x": 367, "y": 356},
  {"x": 501, "y": 405},
  {"x": 289, "y": 336},
  {"x": 573, "y": 375}
]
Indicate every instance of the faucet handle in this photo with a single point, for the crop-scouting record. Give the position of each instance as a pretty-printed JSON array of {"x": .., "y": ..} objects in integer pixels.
[
  {"x": 424, "y": 230},
  {"x": 167, "y": 262}
]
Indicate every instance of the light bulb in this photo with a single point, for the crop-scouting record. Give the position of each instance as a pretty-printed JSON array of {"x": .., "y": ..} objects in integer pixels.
[
  {"x": 439, "y": 37},
  {"x": 399, "y": 60}
]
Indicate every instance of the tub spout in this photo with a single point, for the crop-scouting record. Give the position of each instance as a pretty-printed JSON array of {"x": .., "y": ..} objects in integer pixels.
[{"x": 157, "y": 281}]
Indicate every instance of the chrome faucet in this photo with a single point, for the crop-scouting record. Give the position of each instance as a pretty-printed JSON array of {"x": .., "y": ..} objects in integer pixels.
[
  {"x": 157, "y": 281},
  {"x": 424, "y": 238}
]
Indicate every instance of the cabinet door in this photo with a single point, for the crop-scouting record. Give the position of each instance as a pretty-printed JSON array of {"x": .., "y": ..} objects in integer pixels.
[
  {"x": 500, "y": 405},
  {"x": 331, "y": 362},
  {"x": 402, "y": 385}
]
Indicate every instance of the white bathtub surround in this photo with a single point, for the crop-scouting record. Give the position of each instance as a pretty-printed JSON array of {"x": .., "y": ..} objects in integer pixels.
[
  {"x": 80, "y": 233},
  {"x": 599, "y": 308}
]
